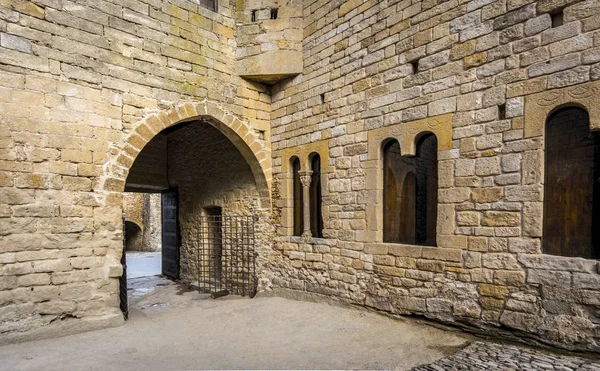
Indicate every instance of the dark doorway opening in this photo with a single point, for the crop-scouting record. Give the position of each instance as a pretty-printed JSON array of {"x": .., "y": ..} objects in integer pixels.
[
  {"x": 171, "y": 237},
  {"x": 572, "y": 186}
]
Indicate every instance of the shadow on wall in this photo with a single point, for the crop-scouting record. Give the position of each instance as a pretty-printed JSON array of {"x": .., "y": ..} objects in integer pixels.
[
  {"x": 133, "y": 237},
  {"x": 143, "y": 221}
]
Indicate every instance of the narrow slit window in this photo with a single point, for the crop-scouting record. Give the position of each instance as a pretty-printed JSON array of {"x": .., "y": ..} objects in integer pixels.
[
  {"x": 415, "y": 66},
  {"x": 274, "y": 13},
  {"x": 209, "y": 4},
  {"x": 253, "y": 16},
  {"x": 558, "y": 18},
  {"x": 502, "y": 112},
  {"x": 316, "y": 201},
  {"x": 298, "y": 199}
]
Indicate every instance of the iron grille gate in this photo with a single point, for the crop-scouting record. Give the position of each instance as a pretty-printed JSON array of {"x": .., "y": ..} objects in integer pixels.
[{"x": 226, "y": 257}]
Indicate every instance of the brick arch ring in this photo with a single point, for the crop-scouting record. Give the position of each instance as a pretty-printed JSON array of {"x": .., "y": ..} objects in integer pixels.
[{"x": 238, "y": 132}]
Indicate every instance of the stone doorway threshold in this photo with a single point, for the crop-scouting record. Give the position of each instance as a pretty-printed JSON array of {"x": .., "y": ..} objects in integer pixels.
[{"x": 174, "y": 328}]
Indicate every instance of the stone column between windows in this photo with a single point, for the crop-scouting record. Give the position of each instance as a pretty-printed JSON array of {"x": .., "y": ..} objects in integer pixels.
[{"x": 305, "y": 179}]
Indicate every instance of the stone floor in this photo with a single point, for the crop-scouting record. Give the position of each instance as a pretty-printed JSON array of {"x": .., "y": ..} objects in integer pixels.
[
  {"x": 491, "y": 356},
  {"x": 174, "y": 328}
]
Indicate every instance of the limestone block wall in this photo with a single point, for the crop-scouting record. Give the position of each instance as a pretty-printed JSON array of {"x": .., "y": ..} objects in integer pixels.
[
  {"x": 143, "y": 211},
  {"x": 83, "y": 88},
  {"x": 493, "y": 70},
  {"x": 269, "y": 39}
]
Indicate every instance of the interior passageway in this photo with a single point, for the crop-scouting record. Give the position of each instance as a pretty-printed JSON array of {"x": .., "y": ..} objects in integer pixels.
[{"x": 187, "y": 174}]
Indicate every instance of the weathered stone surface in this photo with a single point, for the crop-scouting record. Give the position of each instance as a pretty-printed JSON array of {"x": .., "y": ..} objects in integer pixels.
[{"x": 84, "y": 91}]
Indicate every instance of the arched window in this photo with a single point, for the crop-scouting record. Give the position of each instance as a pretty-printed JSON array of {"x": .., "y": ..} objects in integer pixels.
[
  {"x": 410, "y": 193},
  {"x": 316, "y": 217},
  {"x": 427, "y": 188},
  {"x": 298, "y": 199},
  {"x": 392, "y": 193},
  {"x": 572, "y": 186}
]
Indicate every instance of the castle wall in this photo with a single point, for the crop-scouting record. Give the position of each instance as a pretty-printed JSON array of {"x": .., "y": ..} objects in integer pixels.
[
  {"x": 494, "y": 70},
  {"x": 83, "y": 88}
]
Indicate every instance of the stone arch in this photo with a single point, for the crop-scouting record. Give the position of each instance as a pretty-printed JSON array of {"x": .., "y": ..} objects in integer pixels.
[
  {"x": 254, "y": 150},
  {"x": 133, "y": 236},
  {"x": 540, "y": 106}
]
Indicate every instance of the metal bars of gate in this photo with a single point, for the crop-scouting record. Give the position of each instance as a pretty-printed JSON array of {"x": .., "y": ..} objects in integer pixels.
[{"x": 225, "y": 259}]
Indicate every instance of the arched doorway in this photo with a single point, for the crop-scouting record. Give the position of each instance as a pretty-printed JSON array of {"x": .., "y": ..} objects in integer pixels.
[
  {"x": 133, "y": 236},
  {"x": 572, "y": 185},
  {"x": 199, "y": 164}
]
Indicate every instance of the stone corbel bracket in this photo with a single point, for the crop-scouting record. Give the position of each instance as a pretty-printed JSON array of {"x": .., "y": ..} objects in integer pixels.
[{"x": 539, "y": 106}]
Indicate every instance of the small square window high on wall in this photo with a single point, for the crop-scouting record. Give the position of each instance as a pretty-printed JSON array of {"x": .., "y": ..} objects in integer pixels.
[{"x": 208, "y": 4}]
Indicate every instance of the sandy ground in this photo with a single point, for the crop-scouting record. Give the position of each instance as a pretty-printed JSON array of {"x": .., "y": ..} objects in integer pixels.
[{"x": 172, "y": 328}]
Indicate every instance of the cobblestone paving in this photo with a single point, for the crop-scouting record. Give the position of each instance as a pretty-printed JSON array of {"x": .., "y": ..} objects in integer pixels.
[{"x": 490, "y": 356}]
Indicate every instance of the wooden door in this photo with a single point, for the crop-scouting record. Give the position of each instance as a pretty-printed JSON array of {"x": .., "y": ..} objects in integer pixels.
[
  {"x": 171, "y": 239},
  {"x": 124, "y": 304},
  {"x": 571, "y": 179}
]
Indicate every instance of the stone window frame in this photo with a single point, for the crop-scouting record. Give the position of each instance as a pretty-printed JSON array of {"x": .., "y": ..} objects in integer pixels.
[
  {"x": 407, "y": 134},
  {"x": 538, "y": 108},
  {"x": 305, "y": 153}
]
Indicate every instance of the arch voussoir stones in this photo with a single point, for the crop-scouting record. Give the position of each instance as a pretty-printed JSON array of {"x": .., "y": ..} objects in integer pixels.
[{"x": 255, "y": 151}]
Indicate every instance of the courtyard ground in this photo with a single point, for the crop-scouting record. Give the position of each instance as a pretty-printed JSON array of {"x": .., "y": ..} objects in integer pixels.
[
  {"x": 174, "y": 328},
  {"x": 143, "y": 264},
  {"x": 171, "y": 328}
]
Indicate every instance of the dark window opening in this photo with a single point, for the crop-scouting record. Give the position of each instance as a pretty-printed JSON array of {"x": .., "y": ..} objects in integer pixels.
[
  {"x": 410, "y": 193},
  {"x": 209, "y": 4},
  {"x": 557, "y": 18},
  {"x": 274, "y": 13},
  {"x": 316, "y": 216},
  {"x": 322, "y": 98},
  {"x": 298, "y": 198},
  {"x": 415, "y": 66},
  {"x": 572, "y": 186},
  {"x": 502, "y": 112},
  {"x": 253, "y": 17}
]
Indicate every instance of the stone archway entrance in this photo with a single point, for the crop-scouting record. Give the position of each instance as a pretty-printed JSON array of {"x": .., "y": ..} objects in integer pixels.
[{"x": 211, "y": 160}]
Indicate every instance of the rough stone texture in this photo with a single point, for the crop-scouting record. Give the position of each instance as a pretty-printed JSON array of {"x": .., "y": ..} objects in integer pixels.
[
  {"x": 143, "y": 212},
  {"x": 481, "y": 56},
  {"x": 85, "y": 88},
  {"x": 490, "y": 356},
  {"x": 268, "y": 46}
]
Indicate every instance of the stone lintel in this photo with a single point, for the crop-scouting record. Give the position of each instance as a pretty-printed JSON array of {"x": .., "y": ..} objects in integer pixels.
[{"x": 539, "y": 106}]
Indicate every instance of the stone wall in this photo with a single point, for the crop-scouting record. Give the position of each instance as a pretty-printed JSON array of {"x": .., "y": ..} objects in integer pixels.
[
  {"x": 497, "y": 68},
  {"x": 269, "y": 39},
  {"x": 143, "y": 212},
  {"x": 83, "y": 88}
]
